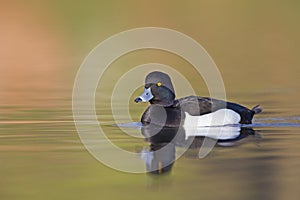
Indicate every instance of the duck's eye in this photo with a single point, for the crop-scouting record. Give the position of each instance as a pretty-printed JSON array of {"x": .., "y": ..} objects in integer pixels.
[
  {"x": 147, "y": 93},
  {"x": 158, "y": 84}
]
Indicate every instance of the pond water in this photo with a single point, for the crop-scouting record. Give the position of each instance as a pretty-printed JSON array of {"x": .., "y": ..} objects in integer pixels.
[{"x": 42, "y": 157}]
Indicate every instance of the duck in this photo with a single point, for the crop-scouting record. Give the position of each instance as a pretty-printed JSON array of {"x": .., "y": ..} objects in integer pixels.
[{"x": 191, "y": 111}]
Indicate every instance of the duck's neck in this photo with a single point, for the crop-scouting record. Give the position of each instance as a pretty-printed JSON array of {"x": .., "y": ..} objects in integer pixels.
[{"x": 164, "y": 103}]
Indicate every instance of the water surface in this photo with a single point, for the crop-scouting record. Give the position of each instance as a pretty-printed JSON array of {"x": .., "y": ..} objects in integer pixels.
[{"x": 44, "y": 158}]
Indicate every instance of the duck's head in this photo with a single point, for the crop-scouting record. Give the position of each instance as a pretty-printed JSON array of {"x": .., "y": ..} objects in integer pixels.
[{"x": 158, "y": 90}]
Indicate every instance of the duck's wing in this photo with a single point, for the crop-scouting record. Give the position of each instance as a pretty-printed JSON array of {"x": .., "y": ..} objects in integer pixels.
[{"x": 196, "y": 105}]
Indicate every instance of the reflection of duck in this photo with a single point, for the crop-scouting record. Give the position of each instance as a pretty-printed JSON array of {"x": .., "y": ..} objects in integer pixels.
[
  {"x": 201, "y": 111},
  {"x": 163, "y": 140},
  {"x": 160, "y": 158}
]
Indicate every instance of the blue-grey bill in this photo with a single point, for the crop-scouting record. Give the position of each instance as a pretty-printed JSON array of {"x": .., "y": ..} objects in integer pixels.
[{"x": 145, "y": 97}]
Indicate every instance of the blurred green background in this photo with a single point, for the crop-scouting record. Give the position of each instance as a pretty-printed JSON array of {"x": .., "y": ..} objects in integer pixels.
[{"x": 255, "y": 44}]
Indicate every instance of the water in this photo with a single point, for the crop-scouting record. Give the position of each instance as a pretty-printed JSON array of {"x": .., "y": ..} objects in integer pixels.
[{"x": 44, "y": 158}]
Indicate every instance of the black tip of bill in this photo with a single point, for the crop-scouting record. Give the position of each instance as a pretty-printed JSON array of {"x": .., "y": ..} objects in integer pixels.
[{"x": 138, "y": 99}]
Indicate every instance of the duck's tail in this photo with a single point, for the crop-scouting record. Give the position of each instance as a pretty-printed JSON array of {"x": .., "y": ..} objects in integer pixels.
[{"x": 256, "y": 109}]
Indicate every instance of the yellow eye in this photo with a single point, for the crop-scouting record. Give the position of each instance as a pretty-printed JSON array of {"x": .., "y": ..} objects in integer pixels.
[{"x": 158, "y": 84}]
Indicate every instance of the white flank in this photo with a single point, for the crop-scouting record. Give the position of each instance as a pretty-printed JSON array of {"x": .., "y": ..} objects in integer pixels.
[
  {"x": 218, "y": 133},
  {"x": 212, "y": 124},
  {"x": 219, "y": 118}
]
